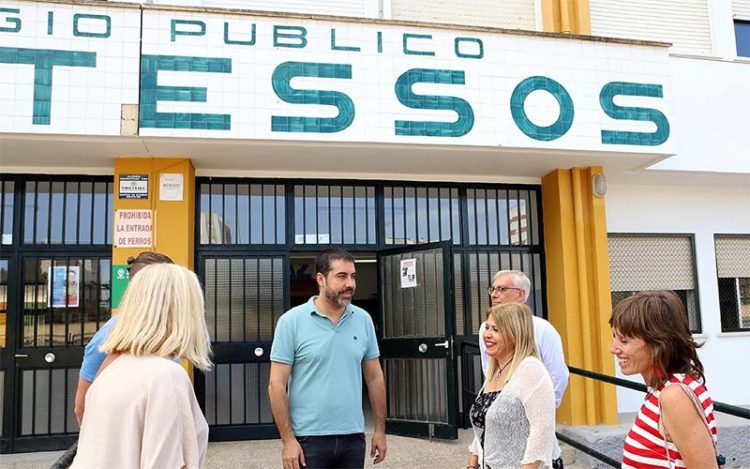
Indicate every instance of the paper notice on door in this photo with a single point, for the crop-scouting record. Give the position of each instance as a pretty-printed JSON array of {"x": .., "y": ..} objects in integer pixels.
[{"x": 408, "y": 273}]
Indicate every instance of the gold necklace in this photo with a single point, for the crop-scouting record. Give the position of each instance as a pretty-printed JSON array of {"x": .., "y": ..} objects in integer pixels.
[{"x": 500, "y": 370}]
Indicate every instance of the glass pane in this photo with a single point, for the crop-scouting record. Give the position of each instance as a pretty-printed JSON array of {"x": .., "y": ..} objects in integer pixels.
[
  {"x": 230, "y": 213},
  {"x": 324, "y": 216},
  {"x": 371, "y": 228},
  {"x": 6, "y": 212},
  {"x": 433, "y": 214},
  {"x": 269, "y": 214},
  {"x": 205, "y": 214},
  {"x": 71, "y": 213},
  {"x": 280, "y": 215},
  {"x": 311, "y": 215},
  {"x": 42, "y": 212},
  {"x": 100, "y": 212},
  {"x": 56, "y": 212},
  {"x": 423, "y": 235},
  {"x": 347, "y": 204},
  {"x": 217, "y": 214},
  {"x": 3, "y": 300},
  {"x": 360, "y": 215},
  {"x": 28, "y": 213},
  {"x": 256, "y": 214},
  {"x": 337, "y": 229},
  {"x": 243, "y": 213},
  {"x": 410, "y": 215},
  {"x": 85, "y": 223}
]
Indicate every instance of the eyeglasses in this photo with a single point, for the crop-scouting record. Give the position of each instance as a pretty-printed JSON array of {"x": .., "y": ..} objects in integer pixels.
[{"x": 501, "y": 289}]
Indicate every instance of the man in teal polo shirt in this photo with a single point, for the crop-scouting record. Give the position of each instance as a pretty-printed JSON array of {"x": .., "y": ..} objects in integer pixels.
[{"x": 321, "y": 349}]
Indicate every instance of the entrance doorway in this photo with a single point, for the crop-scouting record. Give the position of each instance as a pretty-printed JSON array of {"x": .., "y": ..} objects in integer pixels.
[{"x": 253, "y": 238}]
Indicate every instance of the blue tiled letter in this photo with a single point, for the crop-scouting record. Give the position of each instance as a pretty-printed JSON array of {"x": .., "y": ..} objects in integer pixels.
[
  {"x": 151, "y": 93},
  {"x": 43, "y": 60},
  {"x": 281, "y": 77},
  {"x": 564, "y": 120},
  {"x": 619, "y": 137},
  {"x": 406, "y": 96}
]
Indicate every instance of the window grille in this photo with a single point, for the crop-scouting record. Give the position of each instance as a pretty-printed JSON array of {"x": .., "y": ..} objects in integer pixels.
[
  {"x": 654, "y": 262},
  {"x": 733, "y": 271}
]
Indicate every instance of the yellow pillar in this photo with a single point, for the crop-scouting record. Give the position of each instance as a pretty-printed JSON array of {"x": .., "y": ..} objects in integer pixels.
[
  {"x": 173, "y": 220},
  {"x": 578, "y": 290},
  {"x": 566, "y": 16}
]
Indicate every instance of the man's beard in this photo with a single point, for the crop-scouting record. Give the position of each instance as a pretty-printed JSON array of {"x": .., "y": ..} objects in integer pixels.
[{"x": 335, "y": 297}]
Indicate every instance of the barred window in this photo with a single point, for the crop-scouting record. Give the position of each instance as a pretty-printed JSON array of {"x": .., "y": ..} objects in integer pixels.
[
  {"x": 334, "y": 214},
  {"x": 733, "y": 271},
  {"x": 415, "y": 215},
  {"x": 654, "y": 262}
]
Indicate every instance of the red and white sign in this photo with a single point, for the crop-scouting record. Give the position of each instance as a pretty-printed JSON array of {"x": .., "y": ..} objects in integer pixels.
[{"x": 134, "y": 229}]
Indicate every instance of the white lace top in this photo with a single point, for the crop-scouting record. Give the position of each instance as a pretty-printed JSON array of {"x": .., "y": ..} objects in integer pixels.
[{"x": 520, "y": 424}]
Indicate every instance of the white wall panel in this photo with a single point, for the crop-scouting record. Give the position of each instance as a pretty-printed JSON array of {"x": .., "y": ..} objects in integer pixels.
[
  {"x": 741, "y": 9},
  {"x": 701, "y": 210},
  {"x": 512, "y": 14},
  {"x": 684, "y": 23}
]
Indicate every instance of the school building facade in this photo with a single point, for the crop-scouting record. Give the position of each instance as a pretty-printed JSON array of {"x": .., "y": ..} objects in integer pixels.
[{"x": 602, "y": 150}]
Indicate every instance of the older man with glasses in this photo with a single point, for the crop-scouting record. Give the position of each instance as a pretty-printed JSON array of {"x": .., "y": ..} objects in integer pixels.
[{"x": 513, "y": 286}]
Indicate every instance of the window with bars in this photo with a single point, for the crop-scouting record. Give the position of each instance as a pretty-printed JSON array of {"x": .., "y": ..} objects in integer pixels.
[
  {"x": 415, "y": 215},
  {"x": 334, "y": 214},
  {"x": 67, "y": 212},
  {"x": 502, "y": 217},
  {"x": 733, "y": 271},
  {"x": 242, "y": 213},
  {"x": 640, "y": 262}
]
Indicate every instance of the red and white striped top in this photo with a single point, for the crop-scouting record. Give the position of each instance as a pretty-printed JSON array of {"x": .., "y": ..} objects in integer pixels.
[{"x": 645, "y": 444}]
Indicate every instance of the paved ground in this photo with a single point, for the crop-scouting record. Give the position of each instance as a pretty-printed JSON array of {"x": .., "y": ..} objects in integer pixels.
[{"x": 403, "y": 453}]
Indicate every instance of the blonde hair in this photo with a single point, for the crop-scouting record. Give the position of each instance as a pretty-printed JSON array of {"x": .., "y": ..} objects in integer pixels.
[
  {"x": 162, "y": 314},
  {"x": 514, "y": 321}
]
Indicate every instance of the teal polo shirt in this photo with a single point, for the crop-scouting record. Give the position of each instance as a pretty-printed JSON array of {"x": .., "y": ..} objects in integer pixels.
[{"x": 325, "y": 387}]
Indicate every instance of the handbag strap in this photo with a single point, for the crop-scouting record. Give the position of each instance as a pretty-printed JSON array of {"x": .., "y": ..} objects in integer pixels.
[{"x": 698, "y": 407}]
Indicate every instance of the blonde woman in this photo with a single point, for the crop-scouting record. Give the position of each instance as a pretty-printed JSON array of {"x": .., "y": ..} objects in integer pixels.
[
  {"x": 513, "y": 415},
  {"x": 141, "y": 411}
]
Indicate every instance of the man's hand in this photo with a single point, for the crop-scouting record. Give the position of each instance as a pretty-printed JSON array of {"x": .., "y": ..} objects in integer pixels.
[
  {"x": 378, "y": 449},
  {"x": 292, "y": 454}
]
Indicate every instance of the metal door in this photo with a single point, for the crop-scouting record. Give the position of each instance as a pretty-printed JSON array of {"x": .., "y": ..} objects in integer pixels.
[
  {"x": 245, "y": 296},
  {"x": 62, "y": 301},
  {"x": 417, "y": 324}
]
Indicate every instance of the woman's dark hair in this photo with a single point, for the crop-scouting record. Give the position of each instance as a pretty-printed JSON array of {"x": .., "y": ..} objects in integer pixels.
[
  {"x": 659, "y": 319},
  {"x": 146, "y": 258},
  {"x": 326, "y": 258}
]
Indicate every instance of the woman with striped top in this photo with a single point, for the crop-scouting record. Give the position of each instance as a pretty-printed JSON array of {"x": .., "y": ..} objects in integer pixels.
[{"x": 675, "y": 427}]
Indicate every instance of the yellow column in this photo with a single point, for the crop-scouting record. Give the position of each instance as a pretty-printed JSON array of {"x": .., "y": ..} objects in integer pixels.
[
  {"x": 578, "y": 290},
  {"x": 566, "y": 16},
  {"x": 174, "y": 221}
]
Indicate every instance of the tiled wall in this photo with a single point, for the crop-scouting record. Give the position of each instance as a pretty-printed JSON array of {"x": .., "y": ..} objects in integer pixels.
[{"x": 211, "y": 75}]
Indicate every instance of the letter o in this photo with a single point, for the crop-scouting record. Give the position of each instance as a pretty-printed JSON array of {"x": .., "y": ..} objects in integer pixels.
[{"x": 564, "y": 120}]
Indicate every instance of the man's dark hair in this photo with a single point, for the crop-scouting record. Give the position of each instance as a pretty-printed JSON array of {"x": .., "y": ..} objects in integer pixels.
[
  {"x": 146, "y": 258},
  {"x": 326, "y": 258}
]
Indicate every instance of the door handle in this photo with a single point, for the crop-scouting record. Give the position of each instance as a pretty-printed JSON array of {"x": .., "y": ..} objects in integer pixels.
[
  {"x": 445, "y": 344},
  {"x": 21, "y": 355}
]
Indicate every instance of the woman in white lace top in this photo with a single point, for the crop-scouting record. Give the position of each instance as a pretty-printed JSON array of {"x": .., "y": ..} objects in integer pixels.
[{"x": 514, "y": 414}]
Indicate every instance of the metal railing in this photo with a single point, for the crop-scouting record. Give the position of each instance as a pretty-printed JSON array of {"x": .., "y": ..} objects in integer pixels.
[{"x": 722, "y": 407}]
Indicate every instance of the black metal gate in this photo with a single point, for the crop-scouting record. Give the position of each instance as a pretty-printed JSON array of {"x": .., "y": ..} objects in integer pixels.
[
  {"x": 55, "y": 271},
  {"x": 246, "y": 231}
]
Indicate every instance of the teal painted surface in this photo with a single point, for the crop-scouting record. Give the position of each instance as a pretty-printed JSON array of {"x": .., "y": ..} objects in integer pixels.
[
  {"x": 335, "y": 46},
  {"x": 463, "y": 55},
  {"x": 79, "y": 16},
  {"x": 249, "y": 42},
  {"x": 44, "y": 60},
  {"x": 174, "y": 32},
  {"x": 380, "y": 42},
  {"x": 13, "y": 21},
  {"x": 50, "y": 22},
  {"x": 543, "y": 133},
  {"x": 406, "y": 96},
  {"x": 621, "y": 137},
  {"x": 151, "y": 93},
  {"x": 281, "y": 78},
  {"x": 408, "y": 51},
  {"x": 288, "y": 32}
]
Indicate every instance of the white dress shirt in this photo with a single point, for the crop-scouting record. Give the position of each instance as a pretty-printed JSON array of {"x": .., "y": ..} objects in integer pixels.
[{"x": 549, "y": 344}]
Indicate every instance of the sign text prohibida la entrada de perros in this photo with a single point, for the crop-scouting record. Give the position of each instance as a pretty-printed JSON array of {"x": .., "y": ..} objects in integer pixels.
[{"x": 134, "y": 229}]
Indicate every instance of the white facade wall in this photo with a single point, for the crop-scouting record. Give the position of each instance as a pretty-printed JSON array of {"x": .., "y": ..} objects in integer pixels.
[
  {"x": 705, "y": 191},
  {"x": 684, "y": 23},
  {"x": 703, "y": 211},
  {"x": 511, "y": 14}
]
